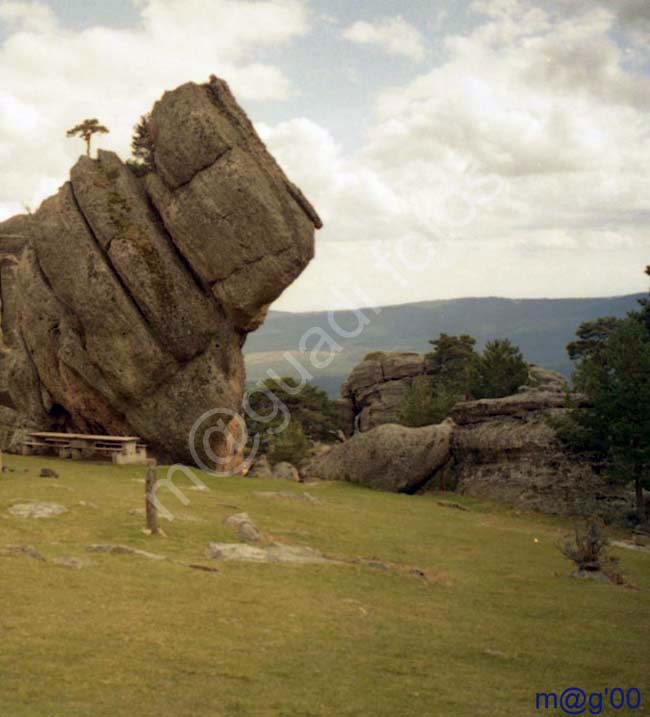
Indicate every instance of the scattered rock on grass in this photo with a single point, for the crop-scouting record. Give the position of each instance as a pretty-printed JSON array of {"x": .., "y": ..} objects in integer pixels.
[
  {"x": 203, "y": 568},
  {"x": 285, "y": 494},
  {"x": 122, "y": 550},
  {"x": 69, "y": 561},
  {"x": 378, "y": 565},
  {"x": 456, "y": 506},
  {"x": 595, "y": 575},
  {"x": 48, "y": 473},
  {"x": 271, "y": 554},
  {"x": 37, "y": 510},
  {"x": 244, "y": 527},
  {"x": 17, "y": 550},
  {"x": 286, "y": 471},
  {"x": 417, "y": 573}
]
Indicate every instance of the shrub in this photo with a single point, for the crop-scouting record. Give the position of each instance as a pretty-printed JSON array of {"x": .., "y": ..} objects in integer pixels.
[
  {"x": 291, "y": 446},
  {"x": 588, "y": 549},
  {"x": 416, "y": 409},
  {"x": 306, "y": 404},
  {"x": 426, "y": 403}
]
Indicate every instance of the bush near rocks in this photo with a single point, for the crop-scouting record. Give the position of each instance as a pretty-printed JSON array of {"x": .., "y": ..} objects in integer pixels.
[
  {"x": 290, "y": 446},
  {"x": 588, "y": 550},
  {"x": 306, "y": 405}
]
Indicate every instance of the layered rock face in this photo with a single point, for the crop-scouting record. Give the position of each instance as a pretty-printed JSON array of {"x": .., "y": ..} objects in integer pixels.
[
  {"x": 374, "y": 392},
  {"x": 505, "y": 449},
  {"x": 126, "y": 300}
]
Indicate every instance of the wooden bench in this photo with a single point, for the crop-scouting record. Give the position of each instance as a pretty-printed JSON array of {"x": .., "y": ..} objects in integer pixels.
[
  {"x": 122, "y": 449},
  {"x": 28, "y": 446}
]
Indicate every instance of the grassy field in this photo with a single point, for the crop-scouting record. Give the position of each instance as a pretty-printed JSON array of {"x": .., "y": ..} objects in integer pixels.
[{"x": 494, "y": 620}]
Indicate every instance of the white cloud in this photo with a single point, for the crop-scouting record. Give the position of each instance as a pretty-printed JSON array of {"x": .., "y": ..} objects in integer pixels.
[
  {"x": 27, "y": 15},
  {"x": 51, "y": 77},
  {"x": 394, "y": 35},
  {"x": 522, "y": 159}
]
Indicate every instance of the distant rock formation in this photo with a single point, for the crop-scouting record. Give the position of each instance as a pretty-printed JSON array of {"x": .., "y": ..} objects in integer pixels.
[
  {"x": 125, "y": 301},
  {"x": 374, "y": 392},
  {"x": 502, "y": 449}
]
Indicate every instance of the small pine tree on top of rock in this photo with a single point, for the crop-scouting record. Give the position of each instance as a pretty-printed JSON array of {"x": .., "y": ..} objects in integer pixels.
[
  {"x": 142, "y": 147},
  {"x": 86, "y": 130}
]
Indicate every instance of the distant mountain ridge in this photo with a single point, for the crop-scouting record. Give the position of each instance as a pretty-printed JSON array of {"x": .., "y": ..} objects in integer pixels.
[{"x": 540, "y": 327}]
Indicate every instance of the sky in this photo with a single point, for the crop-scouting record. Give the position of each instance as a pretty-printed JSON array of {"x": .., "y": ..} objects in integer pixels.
[{"x": 452, "y": 148}]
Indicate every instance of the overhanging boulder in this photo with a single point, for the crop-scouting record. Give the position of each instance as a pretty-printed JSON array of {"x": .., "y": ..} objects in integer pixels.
[{"x": 126, "y": 300}]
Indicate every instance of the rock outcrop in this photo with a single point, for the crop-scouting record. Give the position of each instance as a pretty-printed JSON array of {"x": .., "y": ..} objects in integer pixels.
[
  {"x": 504, "y": 449},
  {"x": 374, "y": 392},
  {"x": 125, "y": 300},
  {"x": 390, "y": 457}
]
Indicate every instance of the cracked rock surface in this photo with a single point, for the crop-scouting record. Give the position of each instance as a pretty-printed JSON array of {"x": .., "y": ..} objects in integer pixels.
[{"x": 125, "y": 300}]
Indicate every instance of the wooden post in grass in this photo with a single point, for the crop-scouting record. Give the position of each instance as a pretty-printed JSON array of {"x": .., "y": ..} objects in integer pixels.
[{"x": 150, "y": 498}]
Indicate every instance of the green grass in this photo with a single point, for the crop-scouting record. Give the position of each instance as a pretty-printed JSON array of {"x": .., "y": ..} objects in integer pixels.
[{"x": 496, "y": 620}]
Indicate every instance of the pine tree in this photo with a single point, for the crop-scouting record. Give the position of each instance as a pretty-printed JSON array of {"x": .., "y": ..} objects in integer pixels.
[
  {"x": 143, "y": 146},
  {"x": 307, "y": 404},
  {"x": 592, "y": 337},
  {"x": 613, "y": 371},
  {"x": 500, "y": 371},
  {"x": 452, "y": 362},
  {"x": 86, "y": 130},
  {"x": 615, "y": 426}
]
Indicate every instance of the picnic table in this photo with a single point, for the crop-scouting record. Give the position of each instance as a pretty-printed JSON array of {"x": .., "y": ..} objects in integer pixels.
[{"x": 122, "y": 449}]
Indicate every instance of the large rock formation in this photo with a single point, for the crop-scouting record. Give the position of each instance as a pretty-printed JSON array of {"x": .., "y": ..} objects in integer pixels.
[
  {"x": 502, "y": 449},
  {"x": 126, "y": 300},
  {"x": 505, "y": 449},
  {"x": 390, "y": 457},
  {"x": 375, "y": 390}
]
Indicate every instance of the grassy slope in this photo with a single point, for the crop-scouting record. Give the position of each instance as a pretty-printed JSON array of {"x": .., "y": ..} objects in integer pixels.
[{"x": 129, "y": 636}]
